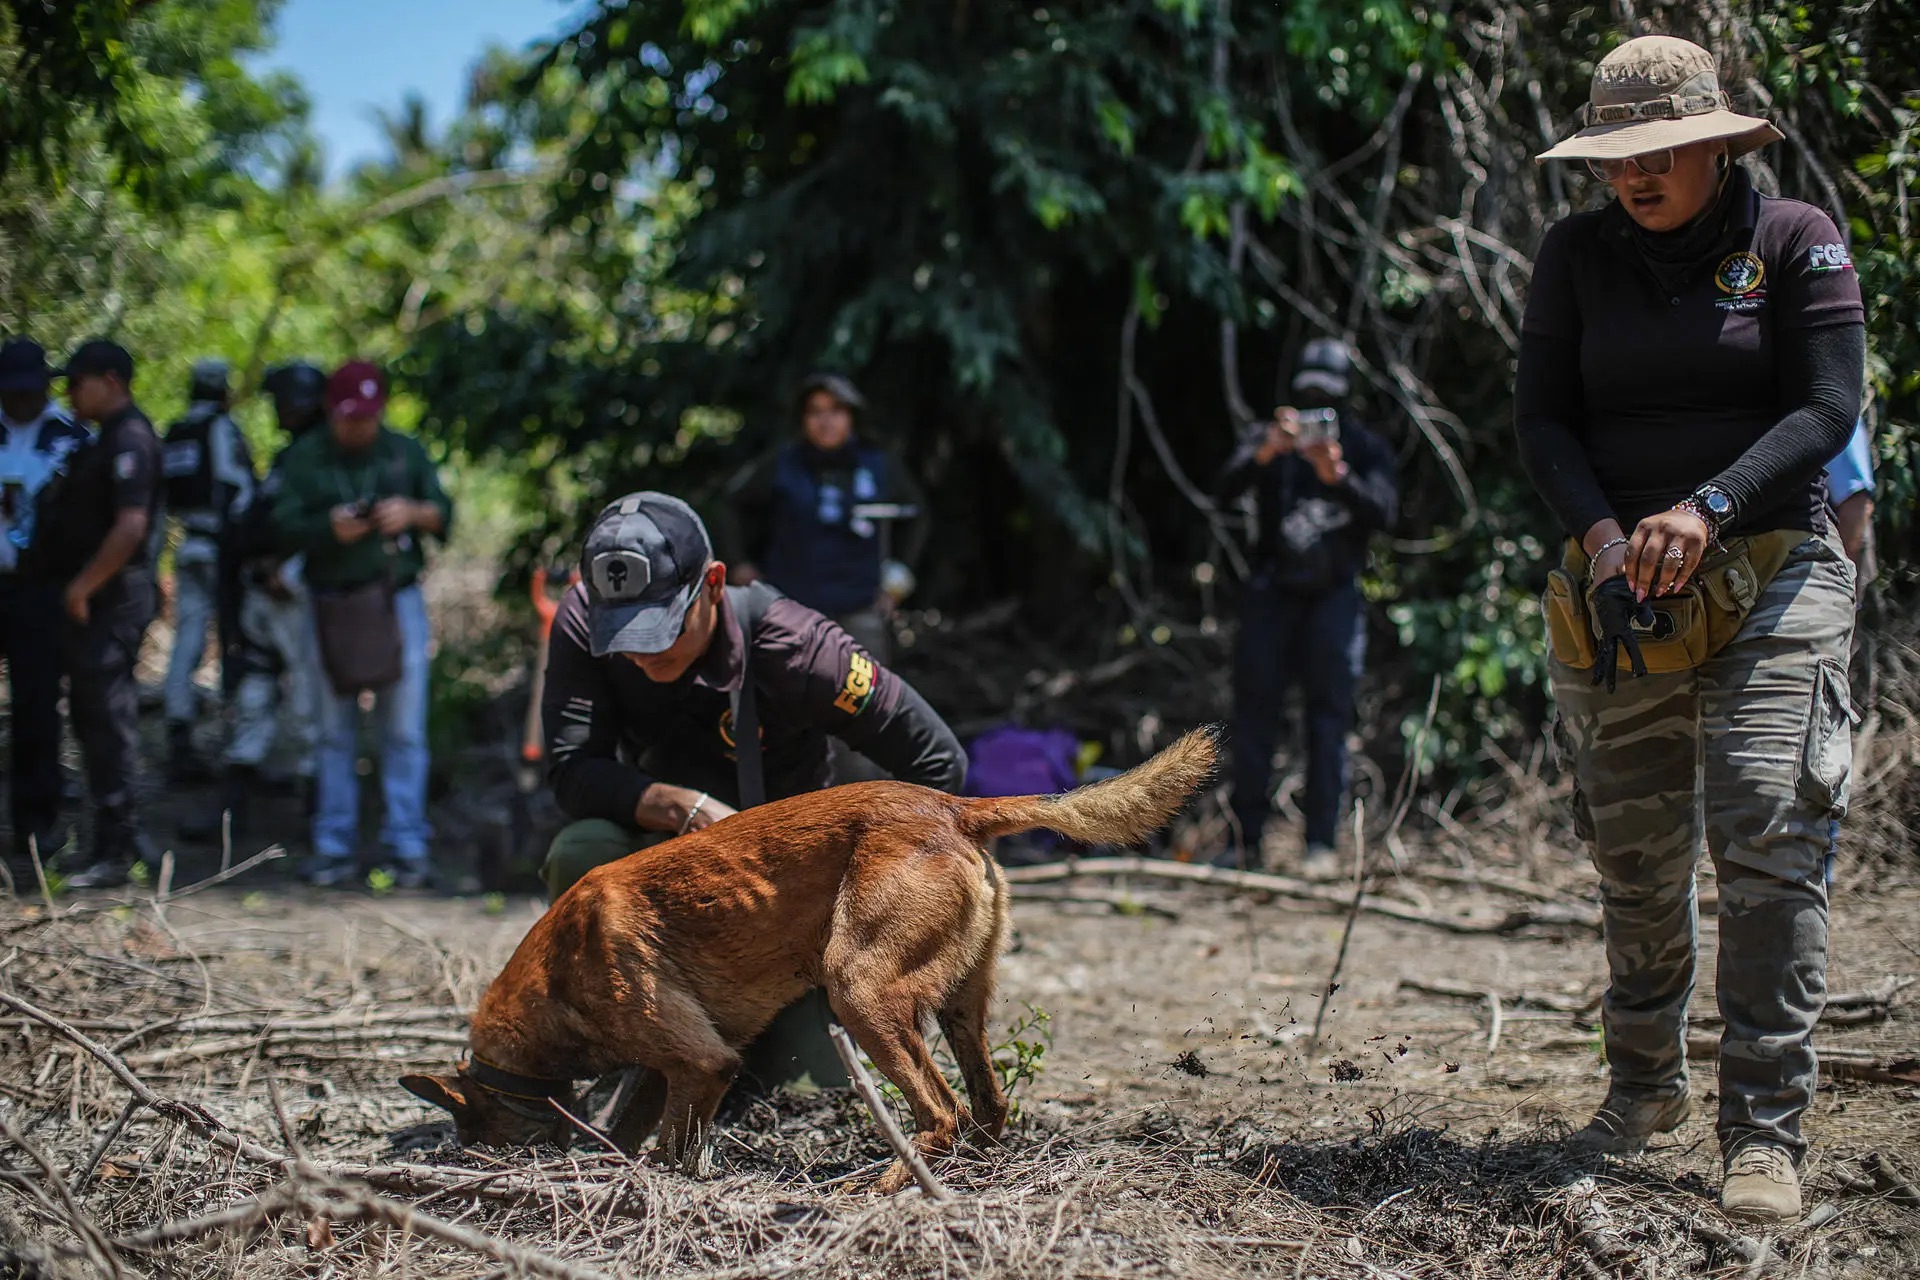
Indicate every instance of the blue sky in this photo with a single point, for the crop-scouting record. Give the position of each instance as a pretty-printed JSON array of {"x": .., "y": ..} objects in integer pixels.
[{"x": 358, "y": 55}]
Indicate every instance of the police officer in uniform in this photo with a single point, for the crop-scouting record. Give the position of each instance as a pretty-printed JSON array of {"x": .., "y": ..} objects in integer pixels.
[
  {"x": 1691, "y": 358},
  {"x": 209, "y": 483},
  {"x": 655, "y": 666},
  {"x": 36, "y": 439},
  {"x": 278, "y": 691},
  {"x": 95, "y": 539}
]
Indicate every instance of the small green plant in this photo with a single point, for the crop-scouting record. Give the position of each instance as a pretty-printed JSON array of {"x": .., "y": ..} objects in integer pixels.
[
  {"x": 494, "y": 904},
  {"x": 140, "y": 875},
  {"x": 381, "y": 881},
  {"x": 1022, "y": 1055}
]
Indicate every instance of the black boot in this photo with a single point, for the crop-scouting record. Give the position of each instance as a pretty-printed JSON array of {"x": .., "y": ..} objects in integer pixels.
[
  {"x": 237, "y": 788},
  {"x": 184, "y": 765},
  {"x": 117, "y": 845}
]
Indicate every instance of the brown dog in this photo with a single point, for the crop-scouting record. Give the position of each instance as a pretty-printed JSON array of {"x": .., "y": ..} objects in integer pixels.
[{"x": 675, "y": 957}]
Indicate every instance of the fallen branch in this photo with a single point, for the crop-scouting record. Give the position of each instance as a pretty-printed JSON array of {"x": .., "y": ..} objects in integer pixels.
[
  {"x": 282, "y": 1037},
  {"x": 1858, "y": 1065},
  {"x": 870, "y": 1094},
  {"x": 1353, "y": 913},
  {"x": 1286, "y": 886},
  {"x": 1533, "y": 999},
  {"x": 1887, "y": 1180},
  {"x": 271, "y": 853},
  {"x": 1588, "y": 1222},
  {"x": 1122, "y": 903}
]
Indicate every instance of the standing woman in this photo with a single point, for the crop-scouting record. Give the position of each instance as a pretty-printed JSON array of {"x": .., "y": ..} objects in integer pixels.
[{"x": 1691, "y": 358}]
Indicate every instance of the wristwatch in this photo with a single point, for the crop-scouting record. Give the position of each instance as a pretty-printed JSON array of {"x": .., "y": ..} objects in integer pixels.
[{"x": 1713, "y": 505}]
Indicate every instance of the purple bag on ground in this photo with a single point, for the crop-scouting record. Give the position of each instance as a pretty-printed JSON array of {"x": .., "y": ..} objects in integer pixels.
[{"x": 1011, "y": 761}]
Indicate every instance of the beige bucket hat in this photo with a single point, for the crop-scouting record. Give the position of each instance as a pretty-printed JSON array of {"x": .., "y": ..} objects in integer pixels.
[{"x": 1654, "y": 92}]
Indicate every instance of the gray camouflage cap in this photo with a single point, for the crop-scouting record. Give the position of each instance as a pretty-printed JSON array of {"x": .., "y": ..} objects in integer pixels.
[{"x": 1655, "y": 92}]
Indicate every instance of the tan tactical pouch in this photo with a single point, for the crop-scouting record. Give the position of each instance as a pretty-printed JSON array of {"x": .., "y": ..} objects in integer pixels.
[{"x": 1703, "y": 618}]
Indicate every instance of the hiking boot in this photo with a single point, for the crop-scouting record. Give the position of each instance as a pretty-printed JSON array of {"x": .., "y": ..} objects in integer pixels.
[
  {"x": 1628, "y": 1118},
  {"x": 1761, "y": 1185},
  {"x": 117, "y": 846}
]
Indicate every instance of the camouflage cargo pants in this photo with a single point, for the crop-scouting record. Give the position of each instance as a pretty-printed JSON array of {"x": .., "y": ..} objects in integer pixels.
[{"x": 1751, "y": 751}]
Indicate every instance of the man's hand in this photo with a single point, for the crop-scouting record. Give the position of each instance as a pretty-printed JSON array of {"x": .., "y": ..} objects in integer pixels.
[
  {"x": 393, "y": 516},
  {"x": 77, "y": 601},
  {"x": 1282, "y": 434},
  {"x": 664, "y": 807},
  {"x": 1326, "y": 459},
  {"x": 348, "y": 526}
]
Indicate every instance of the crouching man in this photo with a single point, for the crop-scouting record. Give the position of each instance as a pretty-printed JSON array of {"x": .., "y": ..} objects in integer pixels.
[{"x": 673, "y": 700}]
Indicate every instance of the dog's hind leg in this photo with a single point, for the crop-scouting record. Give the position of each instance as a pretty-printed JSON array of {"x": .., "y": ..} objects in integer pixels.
[
  {"x": 886, "y": 1026},
  {"x": 963, "y": 1019}
]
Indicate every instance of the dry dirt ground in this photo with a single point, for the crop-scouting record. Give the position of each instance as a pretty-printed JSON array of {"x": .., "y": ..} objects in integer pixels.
[{"x": 1182, "y": 1125}]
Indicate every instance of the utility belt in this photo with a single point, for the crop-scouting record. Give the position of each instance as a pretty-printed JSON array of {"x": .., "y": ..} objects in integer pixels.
[{"x": 1690, "y": 626}]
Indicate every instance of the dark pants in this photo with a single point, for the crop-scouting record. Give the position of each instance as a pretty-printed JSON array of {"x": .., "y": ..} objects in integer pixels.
[
  {"x": 1320, "y": 640},
  {"x": 104, "y": 703},
  {"x": 31, "y": 626}
]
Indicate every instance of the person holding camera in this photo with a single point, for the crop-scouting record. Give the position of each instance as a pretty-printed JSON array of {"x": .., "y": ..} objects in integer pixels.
[
  {"x": 359, "y": 501},
  {"x": 1322, "y": 484},
  {"x": 1692, "y": 357}
]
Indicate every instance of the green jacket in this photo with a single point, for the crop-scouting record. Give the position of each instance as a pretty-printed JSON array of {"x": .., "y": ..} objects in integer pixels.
[{"x": 316, "y": 477}]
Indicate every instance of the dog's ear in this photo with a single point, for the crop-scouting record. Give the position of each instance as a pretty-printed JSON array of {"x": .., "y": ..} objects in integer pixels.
[{"x": 441, "y": 1091}]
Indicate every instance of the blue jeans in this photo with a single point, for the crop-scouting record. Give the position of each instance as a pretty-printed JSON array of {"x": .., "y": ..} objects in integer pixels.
[
  {"x": 1318, "y": 639},
  {"x": 401, "y": 714}
]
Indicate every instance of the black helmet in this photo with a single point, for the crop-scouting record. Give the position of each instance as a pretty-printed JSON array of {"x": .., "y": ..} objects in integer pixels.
[
  {"x": 298, "y": 390},
  {"x": 835, "y": 385}
]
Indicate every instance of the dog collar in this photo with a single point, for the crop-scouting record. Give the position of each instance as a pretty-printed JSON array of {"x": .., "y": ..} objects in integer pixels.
[{"x": 513, "y": 1085}]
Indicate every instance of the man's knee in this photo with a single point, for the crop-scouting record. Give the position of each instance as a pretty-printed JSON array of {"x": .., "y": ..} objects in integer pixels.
[{"x": 581, "y": 846}]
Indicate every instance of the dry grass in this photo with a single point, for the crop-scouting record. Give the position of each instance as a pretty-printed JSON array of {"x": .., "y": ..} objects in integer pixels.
[{"x": 287, "y": 1018}]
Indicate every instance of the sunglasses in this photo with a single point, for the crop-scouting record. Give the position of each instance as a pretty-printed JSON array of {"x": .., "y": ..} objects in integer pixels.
[{"x": 1653, "y": 163}]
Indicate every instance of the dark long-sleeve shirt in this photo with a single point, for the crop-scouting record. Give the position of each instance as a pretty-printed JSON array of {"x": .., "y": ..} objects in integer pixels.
[
  {"x": 1643, "y": 377},
  {"x": 1314, "y": 535},
  {"x": 611, "y": 732}
]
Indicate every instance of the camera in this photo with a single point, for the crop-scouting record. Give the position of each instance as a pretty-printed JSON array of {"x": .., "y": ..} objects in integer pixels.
[{"x": 1317, "y": 426}]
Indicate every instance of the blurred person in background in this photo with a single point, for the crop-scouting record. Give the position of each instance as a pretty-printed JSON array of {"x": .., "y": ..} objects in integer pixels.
[
  {"x": 209, "y": 483},
  {"x": 359, "y": 500},
  {"x": 94, "y": 537},
  {"x": 36, "y": 440},
  {"x": 1323, "y": 484},
  {"x": 278, "y": 694}
]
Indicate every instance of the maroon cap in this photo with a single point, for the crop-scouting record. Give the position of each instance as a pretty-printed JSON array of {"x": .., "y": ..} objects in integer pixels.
[{"x": 356, "y": 389}]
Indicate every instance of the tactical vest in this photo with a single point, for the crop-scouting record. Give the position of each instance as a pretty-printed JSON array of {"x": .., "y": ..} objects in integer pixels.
[
  {"x": 186, "y": 460},
  {"x": 818, "y": 552}
]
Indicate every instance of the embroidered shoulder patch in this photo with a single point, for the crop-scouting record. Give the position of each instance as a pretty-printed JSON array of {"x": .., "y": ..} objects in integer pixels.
[
  {"x": 1741, "y": 279},
  {"x": 858, "y": 689},
  {"x": 1829, "y": 257}
]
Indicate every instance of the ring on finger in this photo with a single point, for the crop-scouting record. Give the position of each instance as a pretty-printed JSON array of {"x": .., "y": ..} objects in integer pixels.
[{"x": 1676, "y": 553}]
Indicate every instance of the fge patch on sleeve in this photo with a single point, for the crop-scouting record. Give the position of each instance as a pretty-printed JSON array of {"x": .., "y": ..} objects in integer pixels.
[
  {"x": 1829, "y": 257},
  {"x": 858, "y": 689},
  {"x": 124, "y": 464}
]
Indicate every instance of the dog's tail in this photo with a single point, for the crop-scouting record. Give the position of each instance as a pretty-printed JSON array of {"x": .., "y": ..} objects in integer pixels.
[{"x": 1119, "y": 811}]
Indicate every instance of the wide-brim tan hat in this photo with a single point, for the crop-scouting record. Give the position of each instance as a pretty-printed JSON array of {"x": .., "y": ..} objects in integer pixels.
[{"x": 1656, "y": 92}]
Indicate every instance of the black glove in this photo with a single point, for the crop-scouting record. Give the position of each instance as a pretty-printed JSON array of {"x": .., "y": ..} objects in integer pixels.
[{"x": 1615, "y": 613}]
